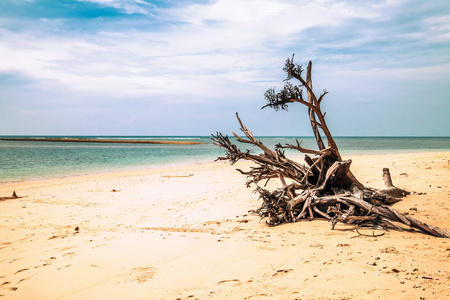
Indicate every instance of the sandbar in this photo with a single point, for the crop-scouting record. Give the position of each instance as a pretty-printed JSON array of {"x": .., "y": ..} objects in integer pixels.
[{"x": 108, "y": 141}]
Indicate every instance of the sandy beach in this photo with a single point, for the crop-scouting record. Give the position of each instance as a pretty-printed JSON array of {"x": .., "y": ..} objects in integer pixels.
[{"x": 185, "y": 233}]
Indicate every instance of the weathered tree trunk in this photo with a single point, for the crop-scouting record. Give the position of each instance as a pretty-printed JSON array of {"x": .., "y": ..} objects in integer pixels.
[
  {"x": 312, "y": 117},
  {"x": 390, "y": 189},
  {"x": 325, "y": 187}
]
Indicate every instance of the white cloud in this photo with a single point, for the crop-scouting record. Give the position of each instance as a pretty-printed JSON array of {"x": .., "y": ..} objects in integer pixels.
[
  {"x": 439, "y": 28},
  {"x": 225, "y": 50},
  {"x": 231, "y": 11},
  {"x": 236, "y": 40},
  {"x": 256, "y": 19},
  {"x": 128, "y": 6}
]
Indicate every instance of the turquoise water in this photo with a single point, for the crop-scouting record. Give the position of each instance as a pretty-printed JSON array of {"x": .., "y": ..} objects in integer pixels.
[{"x": 38, "y": 160}]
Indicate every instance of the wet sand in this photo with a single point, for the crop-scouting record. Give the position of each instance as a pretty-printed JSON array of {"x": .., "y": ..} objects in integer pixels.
[{"x": 185, "y": 232}]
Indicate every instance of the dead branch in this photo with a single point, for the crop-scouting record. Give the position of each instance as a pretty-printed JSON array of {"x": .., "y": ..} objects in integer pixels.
[{"x": 368, "y": 235}]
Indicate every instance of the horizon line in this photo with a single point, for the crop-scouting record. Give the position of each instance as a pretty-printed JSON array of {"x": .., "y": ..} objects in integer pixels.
[{"x": 260, "y": 136}]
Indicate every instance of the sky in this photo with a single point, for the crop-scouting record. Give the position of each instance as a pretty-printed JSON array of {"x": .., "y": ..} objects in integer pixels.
[{"x": 166, "y": 67}]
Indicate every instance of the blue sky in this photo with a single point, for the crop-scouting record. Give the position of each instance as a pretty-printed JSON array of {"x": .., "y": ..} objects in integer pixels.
[{"x": 149, "y": 67}]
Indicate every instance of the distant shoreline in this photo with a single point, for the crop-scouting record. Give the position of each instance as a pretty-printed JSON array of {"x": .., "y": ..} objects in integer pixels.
[{"x": 75, "y": 140}]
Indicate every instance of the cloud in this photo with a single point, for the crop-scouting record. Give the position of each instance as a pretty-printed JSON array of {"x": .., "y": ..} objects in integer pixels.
[
  {"x": 215, "y": 55},
  {"x": 127, "y": 6}
]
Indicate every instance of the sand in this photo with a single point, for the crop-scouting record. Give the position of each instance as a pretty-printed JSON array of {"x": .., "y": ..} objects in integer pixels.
[{"x": 184, "y": 232}]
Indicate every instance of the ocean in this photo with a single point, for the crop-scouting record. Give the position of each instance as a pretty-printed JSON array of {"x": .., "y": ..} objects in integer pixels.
[{"x": 28, "y": 160}]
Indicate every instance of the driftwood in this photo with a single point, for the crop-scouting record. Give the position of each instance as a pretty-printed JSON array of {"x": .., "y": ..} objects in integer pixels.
[
  {"x": 14, "y": 196},
  {"x": 324, "y": 187}
]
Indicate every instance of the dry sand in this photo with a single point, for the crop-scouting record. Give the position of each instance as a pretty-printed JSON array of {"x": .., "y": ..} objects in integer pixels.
[{"x": 184, "y": 232}]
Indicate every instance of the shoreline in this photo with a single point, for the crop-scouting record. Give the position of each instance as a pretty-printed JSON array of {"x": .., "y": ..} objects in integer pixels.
[
  {"x": 185, "y": 232},
  {"x": 108, "y": 141},
  {"x": 138, "y": 169},
  {"x": 111, "y": 173},
  {"x": 143, "y": 169}
]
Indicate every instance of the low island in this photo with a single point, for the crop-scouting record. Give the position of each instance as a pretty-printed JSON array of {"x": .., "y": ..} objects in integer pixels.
[{"x": 109, "y": 141}]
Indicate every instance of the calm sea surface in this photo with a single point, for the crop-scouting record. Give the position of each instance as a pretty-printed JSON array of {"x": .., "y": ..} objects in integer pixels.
[{"x": 38, "y": 160}]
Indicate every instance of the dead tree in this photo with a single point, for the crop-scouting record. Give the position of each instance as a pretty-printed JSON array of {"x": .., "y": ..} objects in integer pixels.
[{"x": 324, "y": 187}]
